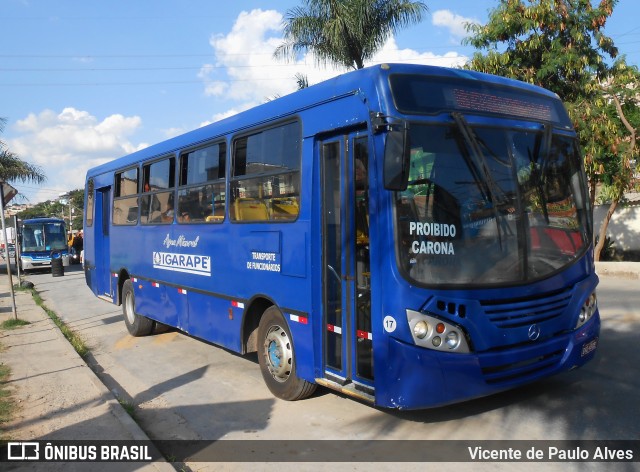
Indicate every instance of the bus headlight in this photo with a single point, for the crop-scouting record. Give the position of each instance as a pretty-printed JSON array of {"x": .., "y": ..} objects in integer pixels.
[
  {"x": 421, "y": 329},
  {"x": 588, "y": 310},
  {"x": 433, "y": 333}
]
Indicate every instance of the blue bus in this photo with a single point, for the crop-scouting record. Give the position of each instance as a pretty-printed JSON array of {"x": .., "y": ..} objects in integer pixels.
[
  {"x": 40, "y": 239},
  {"x": 408, "y": 235}
]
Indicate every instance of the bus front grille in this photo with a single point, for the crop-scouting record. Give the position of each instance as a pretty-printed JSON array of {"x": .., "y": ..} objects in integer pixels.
[{"x": 514, "y": 313}]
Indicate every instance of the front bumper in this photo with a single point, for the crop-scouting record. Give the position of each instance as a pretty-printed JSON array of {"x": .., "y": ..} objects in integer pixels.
[{"x": 422, "y": 378}]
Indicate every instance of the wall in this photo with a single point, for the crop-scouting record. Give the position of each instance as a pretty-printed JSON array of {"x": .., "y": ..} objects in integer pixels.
[{"x": 624, "y": 227}]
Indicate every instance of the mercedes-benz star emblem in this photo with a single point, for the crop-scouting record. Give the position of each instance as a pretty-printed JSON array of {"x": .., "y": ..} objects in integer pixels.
[{"x": 534, "y": 332}]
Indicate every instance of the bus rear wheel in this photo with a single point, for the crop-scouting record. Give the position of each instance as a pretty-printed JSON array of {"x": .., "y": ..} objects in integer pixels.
[
  {"x": 137, "y": 325},
  {"x": 277, "y": 358}
]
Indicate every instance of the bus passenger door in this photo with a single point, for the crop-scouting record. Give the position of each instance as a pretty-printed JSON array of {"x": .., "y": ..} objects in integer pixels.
[
  {"x": 348, "y": 357},
  {"x": 102, "y": 255}
]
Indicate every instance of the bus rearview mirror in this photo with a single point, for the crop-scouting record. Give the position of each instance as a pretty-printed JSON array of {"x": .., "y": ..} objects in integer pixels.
[{"x": 396, "y": 159}]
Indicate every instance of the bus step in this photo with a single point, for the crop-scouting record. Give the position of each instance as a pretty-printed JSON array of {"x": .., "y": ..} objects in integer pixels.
[{"x": 362, "y": 392}]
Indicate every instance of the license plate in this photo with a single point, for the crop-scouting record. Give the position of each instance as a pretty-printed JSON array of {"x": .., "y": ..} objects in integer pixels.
[{"x": 589, "y": 347}]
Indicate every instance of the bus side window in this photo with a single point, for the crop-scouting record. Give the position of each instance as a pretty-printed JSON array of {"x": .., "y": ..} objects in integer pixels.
[
  {"x": 265, "y": 180},
  {"x": 189, "y": 206},
  {"x": 156, "y": 202},
  {"x": 201, "y": 192},
  {"x": 203, "y": 203},
  {"x": 90, "y": 203},
  {"x": 125, "y": 201}
]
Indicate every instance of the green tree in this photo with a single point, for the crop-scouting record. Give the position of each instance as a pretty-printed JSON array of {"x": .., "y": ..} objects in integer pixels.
[
  {"x": 345, "y": 32},
  {"x": 12, "y": 168},
  {"x": 607, "y": 127},
  {"x": 76, "y": 200},
  {"x": 49, "y": 209},
  {"x": 557, "y": 44},
  {"x": 561, "y": 45}
]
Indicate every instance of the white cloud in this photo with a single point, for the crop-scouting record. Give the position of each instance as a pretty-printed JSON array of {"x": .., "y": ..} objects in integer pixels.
[
  {"x": 226, "y": 114},
  {"x": 453, "y": 22},
  {"x": 73, "y": 134},
  {"x": 245, "y": 70},
  {"x": 173, "y": 132},
  {"x": 118, "y": 125},
  {"x": 66, "y": 144},
  {"x": 246, "y": 73},
  {"x": 391, "y": 53}
]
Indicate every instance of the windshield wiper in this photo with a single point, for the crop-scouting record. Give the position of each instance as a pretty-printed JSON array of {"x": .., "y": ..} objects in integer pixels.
[
  {"x": 479, "y": 161},
  {"x": 547, "y": 135},
  {"x": 542, "y": 153}
]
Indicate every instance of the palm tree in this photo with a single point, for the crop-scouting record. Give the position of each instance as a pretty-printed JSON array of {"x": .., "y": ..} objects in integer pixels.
[
  {"x": 302, "y": 80},
  {"x": 345, "y": 32},
  {"x": 13, "y": 168}
]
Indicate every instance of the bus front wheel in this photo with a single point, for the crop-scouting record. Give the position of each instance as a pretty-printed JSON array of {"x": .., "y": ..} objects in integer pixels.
[
  {"x": 277, "y": 358},
  {"x": 137, "y": 325}
]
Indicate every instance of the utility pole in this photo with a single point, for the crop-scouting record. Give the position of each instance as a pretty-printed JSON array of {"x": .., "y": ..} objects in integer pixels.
[{"x": 7, "y": 192}]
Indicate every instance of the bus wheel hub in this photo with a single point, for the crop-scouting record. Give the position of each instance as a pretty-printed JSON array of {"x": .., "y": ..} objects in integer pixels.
[{"x": 278, "y": 353}]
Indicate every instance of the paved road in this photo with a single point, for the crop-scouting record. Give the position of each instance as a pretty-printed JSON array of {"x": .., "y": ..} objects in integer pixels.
[{"x": 187, "y": 389}]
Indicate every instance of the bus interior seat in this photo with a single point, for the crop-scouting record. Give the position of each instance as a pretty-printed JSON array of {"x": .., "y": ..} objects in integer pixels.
[
  {"x": 250, "y": 209},
  {"x": 284, "y": 209},
  {"x": 132, "y": 215}
]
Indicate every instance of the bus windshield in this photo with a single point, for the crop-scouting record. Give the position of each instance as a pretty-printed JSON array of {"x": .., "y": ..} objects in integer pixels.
[
  {"x": 490, "y": 205},
  {"x": 41, "y": 237}
]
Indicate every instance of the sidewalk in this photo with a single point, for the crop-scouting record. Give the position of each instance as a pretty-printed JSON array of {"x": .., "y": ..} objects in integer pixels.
[{"x": 58, "y": 396}]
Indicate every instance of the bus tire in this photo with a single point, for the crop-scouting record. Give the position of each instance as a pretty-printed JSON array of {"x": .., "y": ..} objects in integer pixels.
[
  {"x": 57, "y": 269},
  {"x": 277, "y": 358},
  {"x": 137, "y": 325}
]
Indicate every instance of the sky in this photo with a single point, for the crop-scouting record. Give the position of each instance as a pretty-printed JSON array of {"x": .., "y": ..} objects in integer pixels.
[{"x": 83, "y": 82}]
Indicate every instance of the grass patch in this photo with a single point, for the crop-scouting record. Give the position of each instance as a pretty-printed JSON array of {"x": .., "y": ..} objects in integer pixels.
[
  {"x": 13, "y": 323},
  {"x": 129, "y": 407},
  {"x": 76, "y": 341},
  {"x": 7, "y": 405}
]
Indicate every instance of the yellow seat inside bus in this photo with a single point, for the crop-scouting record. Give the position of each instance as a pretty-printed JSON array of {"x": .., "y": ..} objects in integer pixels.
[
  {"x": 283, "y": 209},
  {"x": 250, "y": 209}
]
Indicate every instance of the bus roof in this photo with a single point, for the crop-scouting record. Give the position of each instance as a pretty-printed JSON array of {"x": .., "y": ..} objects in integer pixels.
[
  {"x": 42, "y": 219},
  {"x": 351, "y": 83}
]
